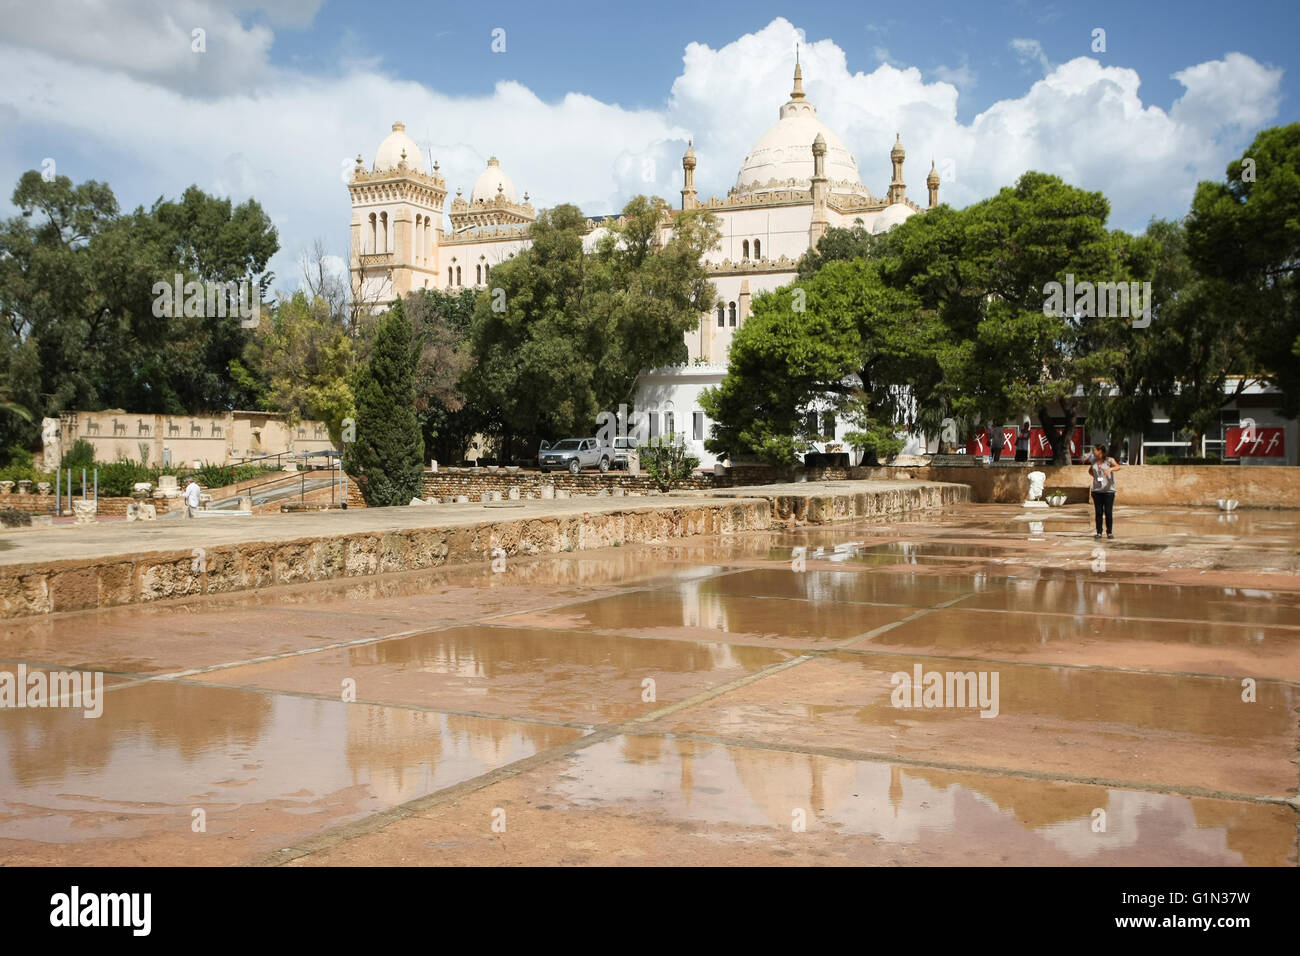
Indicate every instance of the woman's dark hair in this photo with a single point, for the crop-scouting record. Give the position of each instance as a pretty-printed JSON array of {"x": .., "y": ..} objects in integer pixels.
[{"x": 1101, "y": 448}]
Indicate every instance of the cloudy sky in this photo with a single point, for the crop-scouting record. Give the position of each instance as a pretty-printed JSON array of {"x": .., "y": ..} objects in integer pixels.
[{"x": 593, "y": 102}]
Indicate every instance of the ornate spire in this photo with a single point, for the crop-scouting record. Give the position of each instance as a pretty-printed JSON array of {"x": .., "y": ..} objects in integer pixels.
[
  {"x": 797, "y": 92},
  {"x": 934, "y": 174}
]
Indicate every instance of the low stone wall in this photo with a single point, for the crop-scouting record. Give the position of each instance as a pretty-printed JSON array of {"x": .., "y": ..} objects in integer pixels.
[
  {"x": 446, "y": 484},
  {"x": 108, "y": 507},
  {"x": 140, "y": 578},
  {"x": 1181, "y": 485},
  {"x": 133, "y": 576}
]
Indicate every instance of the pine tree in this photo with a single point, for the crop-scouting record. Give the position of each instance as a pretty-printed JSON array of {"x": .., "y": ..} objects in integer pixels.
[{"x": 387, "y": 457}]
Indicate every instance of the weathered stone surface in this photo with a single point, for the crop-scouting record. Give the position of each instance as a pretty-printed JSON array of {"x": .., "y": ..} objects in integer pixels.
[{"x": 84, "y": 511}]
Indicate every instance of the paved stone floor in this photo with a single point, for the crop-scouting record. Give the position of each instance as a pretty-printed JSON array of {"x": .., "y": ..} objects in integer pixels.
[{"x": 721, "y": 700}]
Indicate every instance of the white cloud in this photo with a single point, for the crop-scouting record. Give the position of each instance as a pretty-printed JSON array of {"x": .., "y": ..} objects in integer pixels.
[
  {"x": 285, "y": 139},
  {"x": 1031, "y": 51}
]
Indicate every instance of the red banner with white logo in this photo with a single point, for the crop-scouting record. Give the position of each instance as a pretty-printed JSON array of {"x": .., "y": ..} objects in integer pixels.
[
  {"x": 1255, "y": 443},
  {"x": 1039, "y": 446}
]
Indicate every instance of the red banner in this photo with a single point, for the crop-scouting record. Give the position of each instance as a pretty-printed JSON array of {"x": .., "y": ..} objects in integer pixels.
[
  {"x": 1255, "y": 443},
  {"x": 1039, "y": 446}
]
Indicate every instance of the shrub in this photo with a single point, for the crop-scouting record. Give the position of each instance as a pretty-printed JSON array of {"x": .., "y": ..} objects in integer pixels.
[
  {"x": 116, "y": 479},
  {"x": 80, "y": 455},
  {"x": 666, "y": 460}
]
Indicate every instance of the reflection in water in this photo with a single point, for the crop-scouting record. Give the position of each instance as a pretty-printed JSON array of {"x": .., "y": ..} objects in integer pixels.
[
  {"x": 1025, "y": 820},
  {"x": 155, "y": 754}
]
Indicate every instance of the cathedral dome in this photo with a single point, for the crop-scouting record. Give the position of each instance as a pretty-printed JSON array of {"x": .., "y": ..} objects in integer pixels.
[
  {"x": 390, "y": 150},
  {"x": 785, "y": 152},
  {"x": 491, "y": 181}
]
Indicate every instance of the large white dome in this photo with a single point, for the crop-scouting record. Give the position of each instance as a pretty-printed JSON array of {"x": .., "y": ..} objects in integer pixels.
[
  {"x": 489, "y": 181},
  {"x": 390, "y": 150},
  {"x": 784, "y": 152}
]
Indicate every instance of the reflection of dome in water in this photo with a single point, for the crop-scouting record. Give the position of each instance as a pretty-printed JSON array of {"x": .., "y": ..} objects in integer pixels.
[{"x": 780, "y": 783}]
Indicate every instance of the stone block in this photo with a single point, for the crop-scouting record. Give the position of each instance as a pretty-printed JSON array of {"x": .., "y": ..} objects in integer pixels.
[
  {"x": 24, "y": 486},
  {"x": 548, "y": 492},
  {"x": 514, "y": 493},
  {"x": 84, "y": 511},
  {"x": 6, "y": 487},
  {"x": 43, "y": 487}
]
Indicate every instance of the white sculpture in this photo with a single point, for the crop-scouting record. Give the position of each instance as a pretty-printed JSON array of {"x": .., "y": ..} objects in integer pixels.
[
  {"x": 1036, "y": 479},
  {"x": 50, "y": 443}
]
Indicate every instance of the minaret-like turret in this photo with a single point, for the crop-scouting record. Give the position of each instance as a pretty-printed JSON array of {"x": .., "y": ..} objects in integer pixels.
[
  {"x": 932, "y": 183},
  {"x": 688, "y": 168},
  {"x": 820, "y": 187},
  {"x": 897, "y": 188}
]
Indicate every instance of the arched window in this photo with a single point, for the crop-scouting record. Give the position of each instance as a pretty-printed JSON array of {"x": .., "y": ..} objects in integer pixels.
[
  {"x": 731, "y": 313},
  {"x": 758, "y": 246},
  {"x": 418, "y": 238},
  {"x": 669, "y": 426},
  {"x": 722, "y": 315},
  {"x": 428, "y": 237},
  {"x": 744, "y": 249},
  {"x": 374, "y": 234},
  {"x": 383, "y": 232},
  {"x": 486, "y": 270},
  {"x": 458, "y": 282},
  {"x": 449, "y": 275},
  {"x": 478, "y": 275}
]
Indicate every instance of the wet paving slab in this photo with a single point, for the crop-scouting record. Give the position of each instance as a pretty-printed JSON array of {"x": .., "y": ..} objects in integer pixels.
[
  {"x": 1140, "y": 728},
  {"x": 523, "y": 689},
  {"x": 657, "y": 801},
  {"x": 697, "y": 612},
  {"x": 533, "y": 673},
  {"x": 1227, "y": 649},
  {"x": 263, "y": 770}
]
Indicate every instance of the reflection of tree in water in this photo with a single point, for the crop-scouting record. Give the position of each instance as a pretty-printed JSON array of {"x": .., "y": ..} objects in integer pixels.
[
  {"x": 1033, "y": 803},
  {"x": 190, "y": 720},
  {"x": 1258, "y": 845}
]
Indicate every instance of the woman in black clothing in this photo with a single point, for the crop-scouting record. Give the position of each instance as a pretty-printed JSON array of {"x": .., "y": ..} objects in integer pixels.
[{"x": 1102, "y": 469}]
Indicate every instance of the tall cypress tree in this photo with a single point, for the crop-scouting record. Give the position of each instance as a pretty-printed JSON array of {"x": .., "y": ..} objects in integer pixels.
[{"x": 387, "y": 458}]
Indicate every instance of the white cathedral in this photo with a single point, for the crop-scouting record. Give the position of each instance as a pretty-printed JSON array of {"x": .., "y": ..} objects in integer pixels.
[{"x": 797, "y": 181}]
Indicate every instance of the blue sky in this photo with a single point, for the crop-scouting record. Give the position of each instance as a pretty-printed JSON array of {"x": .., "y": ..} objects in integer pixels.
[
  {"x": 588, "y": 97},
  {"x": 629, "y": 53}
]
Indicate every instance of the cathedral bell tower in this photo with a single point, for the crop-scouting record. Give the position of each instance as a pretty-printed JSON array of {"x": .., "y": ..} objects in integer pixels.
[{"x": 396, "y": 223}]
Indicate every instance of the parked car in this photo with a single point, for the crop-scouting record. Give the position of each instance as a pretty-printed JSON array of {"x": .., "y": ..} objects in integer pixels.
[
  {"x": 575, "y": 454},
  {"x": 622, "y": 445}
]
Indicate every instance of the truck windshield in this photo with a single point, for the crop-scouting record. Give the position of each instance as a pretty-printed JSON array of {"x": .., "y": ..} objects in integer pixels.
[{"x": 569, "y": 444}]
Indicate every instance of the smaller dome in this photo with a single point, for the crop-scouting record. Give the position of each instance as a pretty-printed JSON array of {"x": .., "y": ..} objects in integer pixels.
[
  {"x": 688, "y": 159},
  {"x": 389, "y": 154},
  {"x": 898, "y": 152},
  {"x": 933, "y": 178},
  {"x": 889, "y": 217},
  {"x": 491, "y": 183}
]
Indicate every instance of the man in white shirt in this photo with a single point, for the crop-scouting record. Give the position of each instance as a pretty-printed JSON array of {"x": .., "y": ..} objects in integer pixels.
[{"x": 191, "y": 496}]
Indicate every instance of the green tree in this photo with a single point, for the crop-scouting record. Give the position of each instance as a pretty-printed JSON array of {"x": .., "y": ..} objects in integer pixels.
[
  {"x": 841, "y": 336},
  {"x": 387, "y": 458},
  {"x": 1246, "y": 232},
  {"x": 77, "y": 297},
  {"x": 562, "y": 334},
  {"x": 300, "y": 360},
  {"x": 441, "y": 323}
]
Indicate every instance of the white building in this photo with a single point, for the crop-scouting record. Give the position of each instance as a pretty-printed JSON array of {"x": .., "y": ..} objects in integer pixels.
[{"x": 798, "y": 180}]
